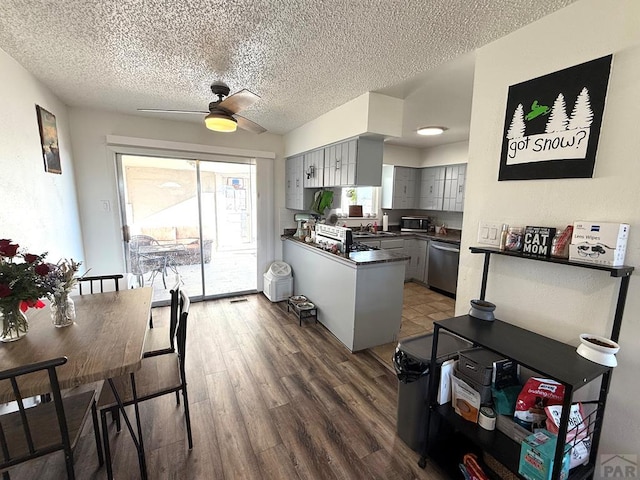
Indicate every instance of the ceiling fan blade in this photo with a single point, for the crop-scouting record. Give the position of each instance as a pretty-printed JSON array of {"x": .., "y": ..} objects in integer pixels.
[
  {"x": 239, "y": 101},
  {"x": 248, "y": 125},
  {"x": 160, "y": 110}
]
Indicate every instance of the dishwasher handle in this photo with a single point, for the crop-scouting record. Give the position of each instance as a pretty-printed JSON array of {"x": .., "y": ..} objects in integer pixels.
[{"x": 446, "y": 249}]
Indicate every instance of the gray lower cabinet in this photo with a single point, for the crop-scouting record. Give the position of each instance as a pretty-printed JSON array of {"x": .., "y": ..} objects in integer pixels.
[
  {"x": 371, "y": 243},
  {"x": 418, "y": 250},
  {"x": 394, "y": 245},
  {"x": 409, "y": 250},
  {"x": 422, "y": 257}
]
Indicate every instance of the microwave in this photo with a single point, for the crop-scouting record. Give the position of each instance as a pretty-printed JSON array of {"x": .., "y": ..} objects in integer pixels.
[{"x": 415, "y": 224}]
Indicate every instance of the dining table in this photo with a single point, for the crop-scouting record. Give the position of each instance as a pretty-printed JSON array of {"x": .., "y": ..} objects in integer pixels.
[{"x": 105, "y": 341}]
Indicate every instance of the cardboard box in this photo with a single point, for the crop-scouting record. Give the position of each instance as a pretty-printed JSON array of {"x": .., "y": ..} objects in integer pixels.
[
  {"x": 466, "y": 401},
  {"x": 599, "y": 243},
  {"x": 537, "y": 454}
]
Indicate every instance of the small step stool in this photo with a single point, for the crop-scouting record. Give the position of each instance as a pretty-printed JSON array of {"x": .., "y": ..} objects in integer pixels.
[{"x": 302, "y": 313}]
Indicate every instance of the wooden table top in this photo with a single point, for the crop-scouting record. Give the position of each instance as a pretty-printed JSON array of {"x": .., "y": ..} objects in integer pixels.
[{"x": 106, "y": 341}]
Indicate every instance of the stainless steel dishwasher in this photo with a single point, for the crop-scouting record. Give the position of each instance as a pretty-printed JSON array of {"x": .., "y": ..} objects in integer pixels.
[{"x": 443, "y": 266}]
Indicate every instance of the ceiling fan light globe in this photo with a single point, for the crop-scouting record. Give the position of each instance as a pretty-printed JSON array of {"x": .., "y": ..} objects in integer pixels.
[{"x": 220, "y": 122}]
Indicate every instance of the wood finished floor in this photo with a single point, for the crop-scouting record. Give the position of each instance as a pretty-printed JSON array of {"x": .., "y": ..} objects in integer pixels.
[{"x": 269, "y": 400}]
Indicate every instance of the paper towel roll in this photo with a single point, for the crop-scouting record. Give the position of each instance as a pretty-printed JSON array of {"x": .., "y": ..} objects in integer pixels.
[{"x": 385, "y": 222}]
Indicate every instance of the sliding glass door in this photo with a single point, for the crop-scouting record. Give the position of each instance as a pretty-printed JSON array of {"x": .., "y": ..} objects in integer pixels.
[{"x": 189, "y": 218}]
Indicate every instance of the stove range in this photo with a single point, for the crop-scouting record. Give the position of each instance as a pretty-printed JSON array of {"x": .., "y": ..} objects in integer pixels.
[
  {"x": 338, "y": 240},
  {"x": 334, "y": 239},
  {"x": 361, "y": 247}
]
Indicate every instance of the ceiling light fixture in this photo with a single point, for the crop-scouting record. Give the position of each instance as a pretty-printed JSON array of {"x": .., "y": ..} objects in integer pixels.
[
  {"x": 220, "y": 122},
  {"x": 431, "y": 131}
]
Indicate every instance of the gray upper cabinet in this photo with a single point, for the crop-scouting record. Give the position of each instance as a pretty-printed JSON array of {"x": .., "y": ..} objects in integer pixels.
[
  {"x": 432, "y": 181},
  {"x": 400, "y": 187},
  {"x": 294, "y": 190},
  {"x": 354, "y": 162},
  {"x": 442, "y": 188},
  {"x": 313, "y": 175},
  {"x": 454, "y": 188}
]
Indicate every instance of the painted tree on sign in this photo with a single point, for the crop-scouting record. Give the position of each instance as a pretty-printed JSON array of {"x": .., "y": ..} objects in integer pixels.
[
  {"x": 558, "y": 120},
  {"x": 582, "y": 114},
  {"x": 517, "y": 127}
]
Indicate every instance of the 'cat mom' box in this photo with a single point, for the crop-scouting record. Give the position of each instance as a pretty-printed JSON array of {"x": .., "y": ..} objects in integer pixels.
[{"x": 599, "y": 242}]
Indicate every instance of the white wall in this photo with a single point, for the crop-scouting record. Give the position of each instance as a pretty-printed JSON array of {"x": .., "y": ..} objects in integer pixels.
[
  {"x": 39, "y": 209},
  {"x": 96, "y": 174},
  {"x": 401, "y": 156},
  {"x": 448, "y": 154},
  {"x": 370, "y": 113},
  {"x": 562, "y": 302}
]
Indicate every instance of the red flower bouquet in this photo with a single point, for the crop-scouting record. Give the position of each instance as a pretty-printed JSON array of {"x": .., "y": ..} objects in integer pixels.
[{"x": 22, "y": 284}]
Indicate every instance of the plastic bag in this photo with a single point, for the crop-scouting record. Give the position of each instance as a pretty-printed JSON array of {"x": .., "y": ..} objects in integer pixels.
[{"x": 536, "y": 394}]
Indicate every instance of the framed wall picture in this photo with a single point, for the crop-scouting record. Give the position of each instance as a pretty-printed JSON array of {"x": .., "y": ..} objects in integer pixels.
[
  {"x": 552, "y": 123},
  {"x": 49, "y": 140}
]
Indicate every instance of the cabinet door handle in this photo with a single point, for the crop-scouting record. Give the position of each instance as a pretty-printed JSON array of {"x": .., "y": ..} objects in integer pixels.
[
  {"x": 297, "y": 182},
  {"x": 337, "y": 164},
  {"x": 431, "y": 189},
  {"x": 460, "y": 189},
  {"x": 405, "y": 189}
]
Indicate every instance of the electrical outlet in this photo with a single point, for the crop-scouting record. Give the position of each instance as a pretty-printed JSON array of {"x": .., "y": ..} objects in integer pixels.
[{"x": 489, "y": 233}]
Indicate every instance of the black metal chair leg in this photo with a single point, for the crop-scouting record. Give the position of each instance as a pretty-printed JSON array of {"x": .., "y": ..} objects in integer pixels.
[
  {"x": 115, "y": 417},
  {"x": 177, "y": 398},
  {"x": 68, "y": 458},
  {"x": 187, "y": 416},
  {"x": 105, "y": 438},
  {"x": 96, "y": 432}
]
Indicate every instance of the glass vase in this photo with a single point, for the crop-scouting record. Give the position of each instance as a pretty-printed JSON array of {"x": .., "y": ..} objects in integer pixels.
[
  {"x": 63, "y": 311},
  {"x": 14, "y": 323}
]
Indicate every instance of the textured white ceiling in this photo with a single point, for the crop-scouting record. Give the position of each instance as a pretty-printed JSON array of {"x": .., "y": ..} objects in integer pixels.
[{"x": 303, "y": 57}]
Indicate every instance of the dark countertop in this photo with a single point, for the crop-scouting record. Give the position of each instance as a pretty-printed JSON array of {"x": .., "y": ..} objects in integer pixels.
[
  {"x": 452, "y": 236},
  {"x": 358, "y": 258}
]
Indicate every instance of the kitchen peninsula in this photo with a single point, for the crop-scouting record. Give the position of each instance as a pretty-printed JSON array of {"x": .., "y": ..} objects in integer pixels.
[{"x": 359, "y": 298}]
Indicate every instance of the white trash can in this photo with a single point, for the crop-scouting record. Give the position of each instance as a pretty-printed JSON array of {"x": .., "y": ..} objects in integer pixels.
[{"x": 278, "y": 282}]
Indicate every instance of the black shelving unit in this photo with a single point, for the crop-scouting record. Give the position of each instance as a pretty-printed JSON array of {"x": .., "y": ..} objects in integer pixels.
[{"x": 549, "y": 357}]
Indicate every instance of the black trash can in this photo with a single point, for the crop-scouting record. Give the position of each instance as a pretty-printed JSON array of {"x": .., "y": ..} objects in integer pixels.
[{"x": 411, "y": 362}]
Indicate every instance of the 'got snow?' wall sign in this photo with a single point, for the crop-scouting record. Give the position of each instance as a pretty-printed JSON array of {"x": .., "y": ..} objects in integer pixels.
[{"x": 552, "y": 123}]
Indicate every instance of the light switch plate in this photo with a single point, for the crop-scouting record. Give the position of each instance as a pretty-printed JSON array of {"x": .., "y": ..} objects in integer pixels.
[{"x": 489, "y": 233}]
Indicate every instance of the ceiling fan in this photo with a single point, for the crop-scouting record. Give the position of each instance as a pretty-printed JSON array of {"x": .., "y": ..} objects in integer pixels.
[{"x": 222, "y": 115}]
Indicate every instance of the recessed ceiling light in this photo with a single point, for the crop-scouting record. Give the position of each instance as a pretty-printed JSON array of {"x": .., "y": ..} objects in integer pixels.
[{"x": 431, "y": 130}]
